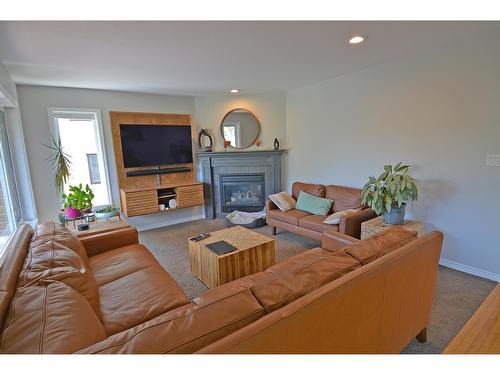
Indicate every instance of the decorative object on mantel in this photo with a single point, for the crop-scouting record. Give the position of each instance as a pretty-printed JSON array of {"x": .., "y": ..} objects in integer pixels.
[
  {"x": 204, "y": 148},
  {"x": 389, "y": 193},
  {"x": 257, "y": 143},
  {"x": 226, "y": 144},
  {"x": 241, "y": 128},
  {"x": 276, "y": 144}
]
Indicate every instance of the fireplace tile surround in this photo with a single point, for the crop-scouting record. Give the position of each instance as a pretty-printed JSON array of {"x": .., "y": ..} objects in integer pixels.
[{"x": 244, "y": 171}]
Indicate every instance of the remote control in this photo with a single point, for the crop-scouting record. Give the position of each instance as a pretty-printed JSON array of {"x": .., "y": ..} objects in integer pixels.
[{"x": 200, "y": 237}]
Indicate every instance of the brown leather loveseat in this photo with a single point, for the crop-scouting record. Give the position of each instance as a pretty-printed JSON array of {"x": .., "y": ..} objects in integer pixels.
[
  {"x": 312, "y": 226},
  {"x": 107, "y": 294}
]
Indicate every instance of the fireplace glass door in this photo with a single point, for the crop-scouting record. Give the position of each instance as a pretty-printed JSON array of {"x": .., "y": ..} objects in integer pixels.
[{"x": 243, "y": 192}]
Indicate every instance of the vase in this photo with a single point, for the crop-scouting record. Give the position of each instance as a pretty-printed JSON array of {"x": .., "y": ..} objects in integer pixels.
[
  {"x": 276, "y": 144},
  {"x": 72, "y": 213},
  {"x": 396, "y": 216},
  {"x": 62, "y": 217}
]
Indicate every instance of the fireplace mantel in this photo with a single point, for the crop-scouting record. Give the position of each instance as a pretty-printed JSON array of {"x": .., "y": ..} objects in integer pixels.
[{"x": 215, "y": 164}]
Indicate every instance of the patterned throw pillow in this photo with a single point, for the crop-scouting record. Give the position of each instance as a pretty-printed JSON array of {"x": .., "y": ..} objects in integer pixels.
[
  {"x": 335, "y": 218},
  {"x": 283, "y": 200}
]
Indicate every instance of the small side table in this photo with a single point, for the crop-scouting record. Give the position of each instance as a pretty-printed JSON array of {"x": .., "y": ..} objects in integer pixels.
[
  {"x": 100, "y": 226},
  {"x": 376, "y": 225}
]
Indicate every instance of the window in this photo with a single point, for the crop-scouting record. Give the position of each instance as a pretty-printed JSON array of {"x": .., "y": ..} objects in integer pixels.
[
  {"x": 81, "y": 137},
  {"x": 10, "y": 208},
  {"x": 232, "y": 133}
]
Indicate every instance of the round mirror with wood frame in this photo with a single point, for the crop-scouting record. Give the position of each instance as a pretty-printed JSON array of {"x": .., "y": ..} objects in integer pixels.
[{"x": 240, "y": 127}]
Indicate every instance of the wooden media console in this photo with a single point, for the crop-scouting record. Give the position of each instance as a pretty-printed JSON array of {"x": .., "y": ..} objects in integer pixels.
[{"x": 141, "y": 190}]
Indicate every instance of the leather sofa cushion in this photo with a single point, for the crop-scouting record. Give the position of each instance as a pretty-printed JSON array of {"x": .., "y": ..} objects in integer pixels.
[
  {"x": 344, "y": 198},
  {"x": 287, "y": 286},
  {"x": 368, "y": 250},
  {"x": 51, "y": 231},
  {"x": 314, "y": 189},
  {"x": 138, "y": 297},
  {"x": 185, "y": 329},
  {"x": 232, "y": 288},
  {"x": 114, "y": 264},
  {"x": 50, "y": 318},
  {"x": 293, "y": 264},
  {"x": 290, "y": 217},
  {"x": 299, "y": 261},
  {"x": 315, "y": 222},
  {"x": 50, "y": 261}
]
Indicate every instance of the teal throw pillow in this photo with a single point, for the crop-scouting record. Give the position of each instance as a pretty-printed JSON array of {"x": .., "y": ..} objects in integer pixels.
[{"x": 313, "y": 204}]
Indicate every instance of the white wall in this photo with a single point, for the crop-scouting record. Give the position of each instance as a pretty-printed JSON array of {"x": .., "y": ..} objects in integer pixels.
[
  {"x": 268, "y": 108},
  {"x": 34, "y": 101},
  {"x": 439, "y": 112}
]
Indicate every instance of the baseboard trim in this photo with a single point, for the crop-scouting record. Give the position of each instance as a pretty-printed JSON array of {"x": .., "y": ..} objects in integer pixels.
[
  {"x": 143, "y": 228},
  {"x": 470, "y": 270}
]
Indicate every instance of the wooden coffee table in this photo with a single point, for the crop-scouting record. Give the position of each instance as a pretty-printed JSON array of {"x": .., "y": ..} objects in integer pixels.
[{"x": 254, "y": 253}]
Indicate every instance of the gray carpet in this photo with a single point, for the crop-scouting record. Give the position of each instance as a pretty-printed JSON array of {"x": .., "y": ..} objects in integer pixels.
[{"x": 458, "y": 294}]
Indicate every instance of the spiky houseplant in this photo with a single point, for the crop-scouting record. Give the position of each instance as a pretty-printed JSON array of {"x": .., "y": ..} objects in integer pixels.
[
  {"x": 61, "y": 163},
  {"x": 391, "y": 190}
]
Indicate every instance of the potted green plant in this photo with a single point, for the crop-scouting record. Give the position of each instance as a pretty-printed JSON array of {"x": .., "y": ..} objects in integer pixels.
[
  {"x": 106, "y": 212},
  {"x": 60, "y": 162},
  {"x": 78, "y": 200},
  {"x": 389, "y": 193}
]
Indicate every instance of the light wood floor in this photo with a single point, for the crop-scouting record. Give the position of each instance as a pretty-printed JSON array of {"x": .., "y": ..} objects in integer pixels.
[{"x": 481, "y": 334}]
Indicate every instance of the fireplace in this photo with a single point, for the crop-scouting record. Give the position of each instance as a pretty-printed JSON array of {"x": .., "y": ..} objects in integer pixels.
[
  {"x": 239, "y": 180},
  {"x": 243, "y": 192}
]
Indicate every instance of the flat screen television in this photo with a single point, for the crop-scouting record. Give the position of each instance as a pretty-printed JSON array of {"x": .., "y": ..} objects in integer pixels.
[{"x": 151, "y": 145}]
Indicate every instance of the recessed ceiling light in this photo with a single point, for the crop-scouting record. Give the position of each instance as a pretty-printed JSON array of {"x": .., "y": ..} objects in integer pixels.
[
  {"x": 356, "y": 39},
  {"x": 234, "y": 91}
]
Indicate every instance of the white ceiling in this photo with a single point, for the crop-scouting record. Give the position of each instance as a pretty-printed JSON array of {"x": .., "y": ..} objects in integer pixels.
[{"x": 197, "y": 58}]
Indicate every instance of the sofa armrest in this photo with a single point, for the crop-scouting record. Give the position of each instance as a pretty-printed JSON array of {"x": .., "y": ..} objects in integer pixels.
[
  {"x": 270, "y": 205},
  {"x": 334, "y": 241},
  {"x": 100, "y": 243},
  {"x": 351, "y": 224}
]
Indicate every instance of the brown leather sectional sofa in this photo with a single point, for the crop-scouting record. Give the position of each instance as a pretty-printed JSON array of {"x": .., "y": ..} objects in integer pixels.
[
  {"x": 307, "y": 225},
  {"x": 107, "y": 294}
]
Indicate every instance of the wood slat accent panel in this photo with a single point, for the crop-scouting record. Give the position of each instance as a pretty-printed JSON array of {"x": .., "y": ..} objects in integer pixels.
[
  {"x": 481, "y": 334},
  {"x": 146, "y": 187},
  {"x": 139, "y": 118},
  {"x": 188, "y": 196},
  {"x": 140, "y": 203},
  {"x": 164, "y": 186}
]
